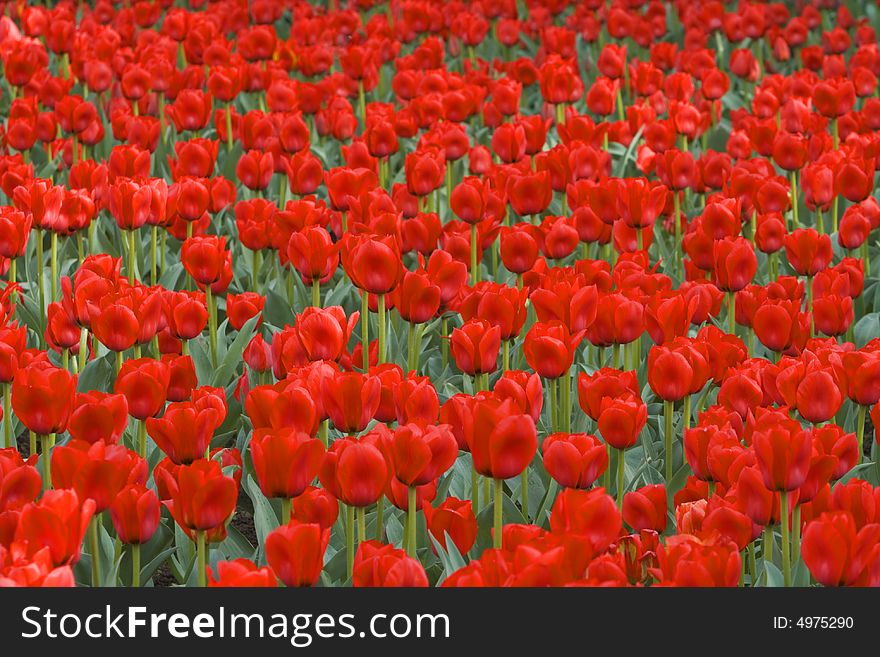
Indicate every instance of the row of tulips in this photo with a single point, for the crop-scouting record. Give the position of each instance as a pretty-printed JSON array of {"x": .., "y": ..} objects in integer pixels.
[{"x": 480, "y": 294}]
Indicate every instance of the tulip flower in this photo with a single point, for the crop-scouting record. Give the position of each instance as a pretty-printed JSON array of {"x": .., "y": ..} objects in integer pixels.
[
  {"x": 295, "y": 552},
  {"x": 202, "y": 501},
  {"x": 285, "y": 461},
  {"x": 135, "y": 514},
  {"x": 241, "y": 573}
]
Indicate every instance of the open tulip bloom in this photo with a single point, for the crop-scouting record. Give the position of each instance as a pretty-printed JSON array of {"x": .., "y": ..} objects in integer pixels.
[{"x": 383, "y": 294}]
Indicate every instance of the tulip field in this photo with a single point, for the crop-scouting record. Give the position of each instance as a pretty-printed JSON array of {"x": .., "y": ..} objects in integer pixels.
[{"x": 414, "y": 293}]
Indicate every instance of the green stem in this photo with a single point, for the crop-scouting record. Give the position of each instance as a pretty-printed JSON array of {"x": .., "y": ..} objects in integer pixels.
[
  {"x": 154, "y": 252},
  {"x": 94, "y": 549},
  {"x": 381, "y": 328},
  {"x": 677, "y": 218},
  {"x": 753, "y": 565},
  {"x": 796, "y": 533},
  {"x": 257, "y": 257},
  {"x": 444, "y": 342},
  {"x": 505, "y": 355},
  {"x": 41, "y": 284},
  {"x": 475, "y": 271},
  {"x": 202, "y": 549},
  {"x": 731, "y": 312},
  {"x": 565, "y": 382},
  {"x": 142, "y": 438},
  {"x": 411, "y": 522},
  {"x": 668, "y": 410},
  {"x": 860, "y": 428},
  {"x": 365, "y": 327},
  {"x": 349, "y": 539},
  {"x": 786, "y": 547},
  {"x": 792, "y": 177},
  {"x": 135, "y": 565},
  {"x": 53, "y": 242},
  {"x": 132, "y": 256},
  {"x": 497, "y": 508},
  {"x": 212, "y": 323},
  {"x": 316, "y": 293},
  {"x": 46, "y": 442},
  {"x": 362, "y": 524},
  {"x": 524, "y": 492},
  {"x": 554, "y": 406},
  {"x": 286, "y": 503},
  {"x": 7, "y": 415},
  {"x": 621, "y": 476},
  {"x": 229, "y": 126}
]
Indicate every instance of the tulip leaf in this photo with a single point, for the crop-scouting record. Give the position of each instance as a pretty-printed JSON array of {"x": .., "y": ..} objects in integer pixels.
[
  {"x": 774, "y": 576},
  {"x": 265, "y": 519},
  {"x": 198, "y": 351},
  {"x": 277, "y": 310},
  {"x": 867, "y": 328},
  {"x": 233, "y": 357},
  {"x": 97, "y": 374},
  {"x": 236, "y": 545},
  {"x": 451, "y": 558}
]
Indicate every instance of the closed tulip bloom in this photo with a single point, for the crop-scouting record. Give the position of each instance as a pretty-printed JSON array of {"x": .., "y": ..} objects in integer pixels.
[
  {"x": 186, "y": 313},
  {"x": 378, "y": 565},
  {"x": 241, "y": 308},
  {"x": 254, "y": 169},
  {"x": 419, "y": 454},
  {"x": 285, "y": 461},
  {"x": 415, "y": 399},
  {"x": 574, "y": 460},
  {"x": 783, "y": 454},
  {"x": 605, "y": 382},
  {"x": 778, "y": 323},
  {"x": 509, "y": 142},
  {"x": 144, "y": 384},
  {"x": 323, "y": 332},
  {"x": 96, "y": 471},
  {"x": 453, "y": 518},
  {"x": 313, "y": 254},
  {"x": 15, "y": 228},
  {"x": 351, "y": 400},
  {"x": 502, "y": 440},
  {"x": 591, "y": 514},
  {"x": 98, "y": 416},
  {"x": 862, "y": 370},
  {"x": 57, "y": 522},
  {"x": 530, "y": 194},
  {"x": 549, "y": 348},
  {"x": 287, "y": 404},
  {"x": 181, "y": 377},
  {"x": 789, "y": 151},
  {"x": 519, "y": 247},
  {"x": 475, "y": 347},
  {"x": 686, "y": 560},
  {"x": 417, "y": 298},
  {"x": 645, "y": 508},
  {"x": 524, "y": 388},
  {"x": 619, "y": 320},
  {"x": 372, "y": 262},
  {"x": 811, "y": 388},
  {"x": 135, "y": 514},
  {"x": 241, "y": 573},
  {"x": 202, "y": 498},
  {"x": 834, "y": 98},
  {"x": 205, "y": 257},
  {"x": 855, "y": 226},
  {"x": 808, "y": 251},
  {"x": 469, "y": 199},
  {"x": 43, "y": 397},
  {"x": 295, "y": 552},
  {"x": 735, "y": 263},
  {"x": 354, "y": 471},
  {"x": 621, "y": 420},
  {"x": 185, "y": 430},
  {"x": 669, "y": 373},
  {"x": 316, "y": 505},
  {"x": 840, "y": 553}
]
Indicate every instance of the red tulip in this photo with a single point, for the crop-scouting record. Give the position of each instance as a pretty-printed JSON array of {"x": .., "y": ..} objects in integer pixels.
[
  {"x": 42, "y": 397},
  {"x": 135, "y": 514},
  {"x": 453, "y": 518},
  {"x": 285, "y": 461},
  {"x": 645, "y": 508},
  {"x": 144, "y": 384},
  {"x": 574, "y": 460},
  {"x": 383, "y": 565},
  {"x": 354, "y": 471},
  {"x": 241, "y": 573},
  {"x": 202, "y": 498},
  {"x": 502, "y": 441},
  {"x": 475, "y": 347},
  {"x": 295, "y": 552}
]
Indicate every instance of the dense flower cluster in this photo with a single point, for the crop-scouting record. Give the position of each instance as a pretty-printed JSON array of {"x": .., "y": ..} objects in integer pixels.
[{"x": 410, "y": 293}]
